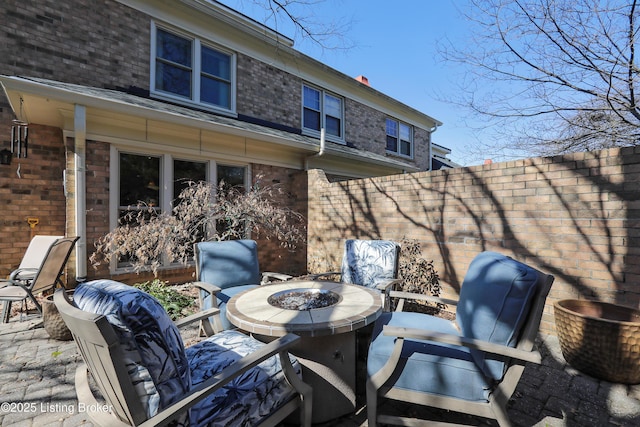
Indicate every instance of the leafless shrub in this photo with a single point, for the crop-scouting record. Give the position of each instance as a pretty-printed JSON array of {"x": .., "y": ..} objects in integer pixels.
[{"x": 203, "y": 211}]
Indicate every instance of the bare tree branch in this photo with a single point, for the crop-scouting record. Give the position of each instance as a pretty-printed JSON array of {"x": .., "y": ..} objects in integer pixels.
[{"x": 553, "y": 75}]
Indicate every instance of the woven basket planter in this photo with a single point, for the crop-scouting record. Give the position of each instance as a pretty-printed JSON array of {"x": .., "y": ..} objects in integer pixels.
[
  {"x": 52, "y": 321},
  {"x": 600, "y": 339}
]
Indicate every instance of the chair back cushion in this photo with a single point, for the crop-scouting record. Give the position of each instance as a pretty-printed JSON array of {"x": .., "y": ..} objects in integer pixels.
[
  {"x": 152, "y": 347},
  {"x": 368, "y": 262},
  {"x": 495, "y": 298},
  {"x": 228, "y": 263}
]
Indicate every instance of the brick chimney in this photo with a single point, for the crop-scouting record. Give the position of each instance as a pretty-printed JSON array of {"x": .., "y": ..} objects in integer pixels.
[{"x": 362, "y": 79}]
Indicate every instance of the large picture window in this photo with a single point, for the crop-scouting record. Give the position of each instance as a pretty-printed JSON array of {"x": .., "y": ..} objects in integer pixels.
[
  {"x": 189, "y": 69},
  {"x": 156, "y": 181},
  {"x": 399, "y": 138},
  {"x": 321, "y": 109}
]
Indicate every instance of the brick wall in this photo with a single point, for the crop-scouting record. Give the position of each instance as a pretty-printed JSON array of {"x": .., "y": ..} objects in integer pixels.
[
  {"x": 31, "y": 188},
  {"x": 574, "y": 216}
]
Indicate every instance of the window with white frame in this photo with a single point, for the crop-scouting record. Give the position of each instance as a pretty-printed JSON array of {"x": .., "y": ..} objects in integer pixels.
[
  {"x": 154, "y": 181},
  {"x": 399, "y": 138},
  {"x": 321, "y": 109},
  {"x": 187, "y": 68}
]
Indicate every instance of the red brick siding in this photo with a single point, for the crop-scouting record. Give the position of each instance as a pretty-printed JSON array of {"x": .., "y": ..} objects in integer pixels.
[
  {"x": 574, "y": 216},
  {"x": 36, "y": 193}
]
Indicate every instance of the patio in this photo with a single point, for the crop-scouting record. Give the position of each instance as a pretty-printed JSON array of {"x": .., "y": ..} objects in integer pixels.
[{"x": 37, "y": 374}]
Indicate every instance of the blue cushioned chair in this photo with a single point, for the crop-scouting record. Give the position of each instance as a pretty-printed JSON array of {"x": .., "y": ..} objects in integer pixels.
[
  {"x": 370, "y": 263},
  {"x": 138, "y": 361},
  {"x": 471, "y": 365},
  {"x": 224, "y": 269}
]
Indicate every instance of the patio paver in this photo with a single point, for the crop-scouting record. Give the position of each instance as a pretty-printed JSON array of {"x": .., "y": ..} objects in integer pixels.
[{"x": 37, "y": 373}]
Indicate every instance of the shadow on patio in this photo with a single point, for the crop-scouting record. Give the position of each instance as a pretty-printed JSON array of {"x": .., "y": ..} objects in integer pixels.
[{"x": 37, "y": 374}]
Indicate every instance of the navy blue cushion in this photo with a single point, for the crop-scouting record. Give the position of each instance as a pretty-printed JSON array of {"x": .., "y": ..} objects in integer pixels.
[
  {"x": 495, "y": 299},
  {"x": 152, "y": 347},
  {"x": 427, "y": 366},
  {"x": 249, "y": 398}
]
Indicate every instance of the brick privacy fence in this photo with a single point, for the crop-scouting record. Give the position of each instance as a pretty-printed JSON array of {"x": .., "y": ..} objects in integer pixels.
[{"x": 574, "y": 216}]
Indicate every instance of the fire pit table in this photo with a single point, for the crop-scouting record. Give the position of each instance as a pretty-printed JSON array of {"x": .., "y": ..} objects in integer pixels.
[{"x": 325, "y": 315}]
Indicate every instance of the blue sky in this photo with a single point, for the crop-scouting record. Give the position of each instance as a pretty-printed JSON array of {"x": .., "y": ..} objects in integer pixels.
[{"x": 394, "y": 46}]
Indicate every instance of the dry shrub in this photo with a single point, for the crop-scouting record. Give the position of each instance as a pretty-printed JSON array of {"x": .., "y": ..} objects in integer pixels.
[{"x": 203, "y": 211}]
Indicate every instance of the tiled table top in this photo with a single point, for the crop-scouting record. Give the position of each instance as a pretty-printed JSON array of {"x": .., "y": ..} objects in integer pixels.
[{"x": 358, "y": 307}]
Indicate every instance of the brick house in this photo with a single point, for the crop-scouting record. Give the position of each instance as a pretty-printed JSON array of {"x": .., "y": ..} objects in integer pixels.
[{"x": 125, "y": 98}]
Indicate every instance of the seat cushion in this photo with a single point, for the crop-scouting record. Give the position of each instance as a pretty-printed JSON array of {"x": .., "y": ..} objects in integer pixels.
[
  {"x": 495, "y": 299},
  {"x": 247, "y": 399},
  {"x": 152, "y": 346},
  {"x": 223, "y": 297},
  {"x": 369, "y": 262},
  {"x": 228, "y": 263},
  {"x": 426, "y": 366}
]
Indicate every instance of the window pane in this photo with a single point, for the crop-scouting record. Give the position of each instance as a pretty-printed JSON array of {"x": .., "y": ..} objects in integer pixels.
[
  {"x": 185, "y": 172},
  {"x": 232, "y": 175},
  {"x": 215, "y": 92},
  {"x": 392, "y": 144},
  {"x": 311, "y": 98},
  {"x": 173, "y": 79},
  {"x": 405, "y": 132},
  {"x": 139, "y": 180},
  {"x": 333, "y": 126},
  {"x": 332, "y": 106},
  {"x": 405, "y": 147},
  {"x": 173, "y": 48},
  {"x": 392, "y": 127},
  {"x": 311, "y": 119},
  {"x": 216, "y": 63}
]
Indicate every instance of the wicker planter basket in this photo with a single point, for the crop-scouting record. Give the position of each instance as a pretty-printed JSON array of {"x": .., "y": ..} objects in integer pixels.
[
  {"x": 600, "y": 339},
  {"x": 52, "y": 321}
]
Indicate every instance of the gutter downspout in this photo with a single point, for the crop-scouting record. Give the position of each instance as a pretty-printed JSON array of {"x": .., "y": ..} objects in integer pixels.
[
  {"x": 431, "y": 132},
  {"x": 319, "y": 153},
  {"x": 80, "y": 129}
]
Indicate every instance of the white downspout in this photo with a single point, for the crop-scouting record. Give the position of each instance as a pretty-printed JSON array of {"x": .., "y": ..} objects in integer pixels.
[
  {"x": 319, "y": 153},
  {"x": 431, "y": 132},
  {"x": 80, "y": 129}
]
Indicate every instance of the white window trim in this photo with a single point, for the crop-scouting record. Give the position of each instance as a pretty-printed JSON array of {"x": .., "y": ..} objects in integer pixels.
[
  {"x": 196, "y": 71},
  {"x": 412, "y": 136},
  {"x": 315, "y": 133},
  {"x": 166, "y": 178}
]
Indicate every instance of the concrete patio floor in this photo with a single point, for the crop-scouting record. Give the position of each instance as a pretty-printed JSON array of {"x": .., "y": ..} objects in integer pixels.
[{"x": 36, "y": 389}]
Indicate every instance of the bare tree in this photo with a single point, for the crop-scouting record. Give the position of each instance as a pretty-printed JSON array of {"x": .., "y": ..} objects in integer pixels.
[
  {"x": 553, "y": 76},
  {"x": 299, "y": 15}
]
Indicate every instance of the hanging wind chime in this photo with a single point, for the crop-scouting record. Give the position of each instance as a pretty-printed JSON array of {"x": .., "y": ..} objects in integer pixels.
[{"x": 19, "y": 140}]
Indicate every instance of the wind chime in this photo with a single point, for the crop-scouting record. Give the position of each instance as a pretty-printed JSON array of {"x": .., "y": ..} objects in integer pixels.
[{"x": 19, "y": 140}]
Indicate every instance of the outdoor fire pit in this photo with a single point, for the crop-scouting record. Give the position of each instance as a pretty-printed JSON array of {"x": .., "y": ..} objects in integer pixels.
[{"x": 303, "y": 299}]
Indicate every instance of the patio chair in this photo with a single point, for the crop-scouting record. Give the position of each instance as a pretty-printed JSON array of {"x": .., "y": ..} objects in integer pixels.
[
  {"x": 137, "y": 358},
  {"x": 224, "y": 269},
  {"x": 370, "y": 263},
  {"x": 26, "y": 284},
  {"x": 472, "y": 365},
  {"x": 29, "y": 264}
]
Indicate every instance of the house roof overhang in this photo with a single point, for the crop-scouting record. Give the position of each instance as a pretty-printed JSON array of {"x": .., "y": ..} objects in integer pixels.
[{"x": 48, "y": 102}]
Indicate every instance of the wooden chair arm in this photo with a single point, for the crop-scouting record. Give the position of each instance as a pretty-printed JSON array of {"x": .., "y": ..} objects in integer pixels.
[
  {"x": 207, "y": 287},
  {"x": 502, "y": 351},
  {"x": 196, "y": 317},
  {"x": 422, "y": 297},
  {"x": 316, "y": 276}
]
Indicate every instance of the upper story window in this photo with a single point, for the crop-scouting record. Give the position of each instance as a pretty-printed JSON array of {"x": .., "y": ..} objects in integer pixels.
[
  {"x": 185, "y": 68},
  {"x": 399, "y": 138},
  {"x": 321, "y": 109}
]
